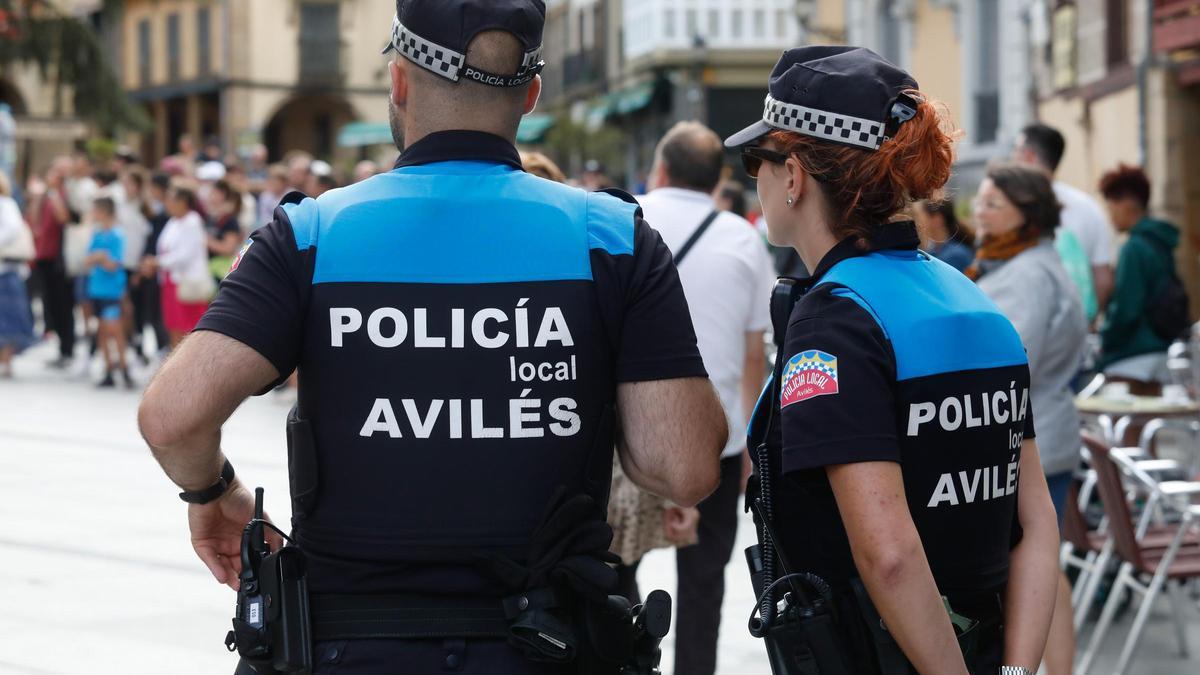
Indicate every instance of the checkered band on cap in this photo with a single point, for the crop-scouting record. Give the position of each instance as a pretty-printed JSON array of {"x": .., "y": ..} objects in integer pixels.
[
  {"x": 429, "y": 55},
  {"x": 443, "y": 60},
  {"x": 830, "y": 126}
]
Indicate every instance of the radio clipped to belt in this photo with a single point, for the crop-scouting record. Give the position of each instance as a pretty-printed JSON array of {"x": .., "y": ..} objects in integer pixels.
[{"x": 271, "y": 620}]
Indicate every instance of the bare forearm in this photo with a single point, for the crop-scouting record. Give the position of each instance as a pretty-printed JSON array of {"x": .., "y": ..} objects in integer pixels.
[
  {"x": 888, "y": 555},
  {"x": 1029, "y": 600},
  {"x": 196, "y": 390},
  {"x": 754, "y": 372},
  {"x": 909, "y": 603},
  {"x": 1033, "y": 575}
]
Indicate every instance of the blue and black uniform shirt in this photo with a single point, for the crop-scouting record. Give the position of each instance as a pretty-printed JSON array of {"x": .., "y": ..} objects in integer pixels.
[
  {"x": 460, "y": 327},
  {"x": 894, "y": 356}
]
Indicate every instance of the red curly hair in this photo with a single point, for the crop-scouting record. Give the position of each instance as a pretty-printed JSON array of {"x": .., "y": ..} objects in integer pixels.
[{"x": 866, "y": 188}]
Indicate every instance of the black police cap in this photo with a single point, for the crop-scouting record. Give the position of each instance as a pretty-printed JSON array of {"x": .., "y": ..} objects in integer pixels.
[
  {"x": 847, "y": 95},
  {"x": 434, "y": 34}
]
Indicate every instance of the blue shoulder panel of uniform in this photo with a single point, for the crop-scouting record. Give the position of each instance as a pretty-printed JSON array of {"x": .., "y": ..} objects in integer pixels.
[
  {"x": 936, "y": 318},
  {"x": 459, "y": 222},
  {"x": 610, "y": 223},
  {"x": 302, "y": 214}
]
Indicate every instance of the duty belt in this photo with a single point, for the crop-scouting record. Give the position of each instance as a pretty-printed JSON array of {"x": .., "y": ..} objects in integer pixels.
[{"x": 348, "y": 617}]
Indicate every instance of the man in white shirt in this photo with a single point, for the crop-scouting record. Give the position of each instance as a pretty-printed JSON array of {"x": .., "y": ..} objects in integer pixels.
[
  {"x": 727, "y": 278},
  {"x": 1042, "y": 147}
]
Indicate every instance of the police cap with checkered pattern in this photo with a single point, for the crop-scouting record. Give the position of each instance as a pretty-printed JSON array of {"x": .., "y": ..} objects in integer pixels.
[
  {"x": 434, "y": 34},
  {"x": 846, "y": 95}
]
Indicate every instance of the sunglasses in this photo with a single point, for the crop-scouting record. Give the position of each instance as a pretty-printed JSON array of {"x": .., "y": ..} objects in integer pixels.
[{"x": 753, "y": 157}]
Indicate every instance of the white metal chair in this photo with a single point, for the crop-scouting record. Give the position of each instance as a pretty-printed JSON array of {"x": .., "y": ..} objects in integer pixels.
[{"x": 1140, "y": 561}]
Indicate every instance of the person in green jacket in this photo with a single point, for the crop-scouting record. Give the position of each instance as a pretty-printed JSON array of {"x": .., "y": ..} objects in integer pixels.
[{"x": 1129, "y": 345}]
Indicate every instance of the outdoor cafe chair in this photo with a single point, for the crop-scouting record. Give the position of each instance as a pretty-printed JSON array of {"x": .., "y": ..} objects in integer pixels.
[{"x": 1178, "y": 561}]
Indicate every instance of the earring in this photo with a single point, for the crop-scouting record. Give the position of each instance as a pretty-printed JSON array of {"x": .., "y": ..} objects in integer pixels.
[{"x": 790, "y": 200}]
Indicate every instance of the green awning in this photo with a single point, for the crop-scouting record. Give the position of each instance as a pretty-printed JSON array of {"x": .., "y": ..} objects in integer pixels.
[
  {"x": 357, "y": 134},
  {"x": 534, "y": 127},
  {"x": 634, "y": 98},
  {"x": 599, "y": 111}
]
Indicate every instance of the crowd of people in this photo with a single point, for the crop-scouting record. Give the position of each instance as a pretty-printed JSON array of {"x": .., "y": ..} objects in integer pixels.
[{"x": 127, "y": 258}]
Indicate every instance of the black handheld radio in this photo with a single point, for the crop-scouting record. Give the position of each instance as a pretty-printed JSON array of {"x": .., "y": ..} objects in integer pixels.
[{"x": 271, "y": 619}]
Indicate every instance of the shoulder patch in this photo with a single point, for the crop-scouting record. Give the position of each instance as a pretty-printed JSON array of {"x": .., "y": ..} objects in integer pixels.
[
  {"x": 808, "y": 374},
  {"x": 241, "y": 254}
]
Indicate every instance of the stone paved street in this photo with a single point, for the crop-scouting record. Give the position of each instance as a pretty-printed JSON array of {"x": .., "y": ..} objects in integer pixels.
[{"x": 97, "y": 576}]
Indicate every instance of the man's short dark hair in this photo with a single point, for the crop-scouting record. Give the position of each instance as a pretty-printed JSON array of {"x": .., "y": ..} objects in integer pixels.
[
  {"x": 693, "y": 156},
  {"x": 1046, "y": 142},
  {"x": 105, "y": 204}
]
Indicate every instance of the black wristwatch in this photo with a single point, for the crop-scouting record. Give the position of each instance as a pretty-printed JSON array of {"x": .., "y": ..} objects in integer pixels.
[{"x": 213, "y": 491}]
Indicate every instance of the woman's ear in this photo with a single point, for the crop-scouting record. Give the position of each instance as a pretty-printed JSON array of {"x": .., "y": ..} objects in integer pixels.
[{"x": 797, "y": 181}]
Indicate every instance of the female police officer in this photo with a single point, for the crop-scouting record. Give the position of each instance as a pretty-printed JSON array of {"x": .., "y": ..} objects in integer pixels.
[{"x": 896, "y": 452}]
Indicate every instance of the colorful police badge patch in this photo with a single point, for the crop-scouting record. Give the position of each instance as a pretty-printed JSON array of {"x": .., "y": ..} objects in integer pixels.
[
  {"x": 238, "y": 260},
  {"x": 807, "y": 375}
]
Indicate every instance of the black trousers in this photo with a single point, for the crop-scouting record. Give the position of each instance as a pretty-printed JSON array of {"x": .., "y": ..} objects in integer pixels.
[
  {"x": 58, "y": 299},
  {"x": 149, "y": 294},
  {"x": 701, "y": 570}
]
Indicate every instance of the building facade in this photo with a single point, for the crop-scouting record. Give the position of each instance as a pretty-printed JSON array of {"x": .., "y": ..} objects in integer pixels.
[
  {"x": 46, "y": 124},
  {"x": 286, "y": 73},
  {"x": 974, "y": 56},
  {"x": 633, "y": 69},
  {"x": 1121, "y": 79}
]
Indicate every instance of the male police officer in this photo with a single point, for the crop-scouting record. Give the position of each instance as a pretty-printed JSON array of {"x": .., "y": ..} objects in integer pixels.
[{"x": 467, "y": 338}]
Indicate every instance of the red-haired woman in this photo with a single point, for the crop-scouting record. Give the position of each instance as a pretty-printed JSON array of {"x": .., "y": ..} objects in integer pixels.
[{"x": 895, "y": 449}]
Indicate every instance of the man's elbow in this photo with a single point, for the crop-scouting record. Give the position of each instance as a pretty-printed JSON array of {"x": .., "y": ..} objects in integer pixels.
[
  {"x": 700, "y": 482},
  {"x": 701, "y": 477},
  {"x": 158, "y": 426}
]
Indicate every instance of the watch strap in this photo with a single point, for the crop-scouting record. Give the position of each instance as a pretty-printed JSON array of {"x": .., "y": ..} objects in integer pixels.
[{"x": 213, "y": 491}]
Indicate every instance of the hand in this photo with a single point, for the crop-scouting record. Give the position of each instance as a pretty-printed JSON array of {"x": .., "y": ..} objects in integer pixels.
[
  {"x": 680, "y": 523},
  {"x": 217, "y": 532}
]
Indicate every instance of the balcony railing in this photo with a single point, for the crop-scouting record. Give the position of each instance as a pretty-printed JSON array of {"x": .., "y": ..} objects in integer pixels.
[{"x": 1176, "y": 25}]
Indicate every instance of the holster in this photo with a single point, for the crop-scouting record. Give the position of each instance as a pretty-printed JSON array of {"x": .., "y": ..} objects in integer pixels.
[
  {"x": 271, "y": 630},
  {"x": 802, "y": 638}
]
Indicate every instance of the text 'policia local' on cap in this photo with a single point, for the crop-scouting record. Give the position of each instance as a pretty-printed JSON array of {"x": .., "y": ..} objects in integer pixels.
[
  {"x": 846, "y": 95},
  {"x": 434, "y": 35}
]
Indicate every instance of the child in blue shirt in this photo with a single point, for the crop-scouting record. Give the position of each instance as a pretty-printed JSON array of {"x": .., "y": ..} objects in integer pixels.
[{"x": 106, "y": 288}]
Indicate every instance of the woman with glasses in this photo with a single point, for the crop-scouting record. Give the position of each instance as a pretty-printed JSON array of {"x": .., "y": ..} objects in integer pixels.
[
  {"x": 1020, "y": 270},
  {"x": 898, "y": 482}
]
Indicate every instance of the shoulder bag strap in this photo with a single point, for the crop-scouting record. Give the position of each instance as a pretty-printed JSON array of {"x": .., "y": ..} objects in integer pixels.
[{"x": 687, "y": 245}]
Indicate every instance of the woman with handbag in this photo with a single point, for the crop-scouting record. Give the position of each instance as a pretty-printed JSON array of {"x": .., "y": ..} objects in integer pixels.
[
  {"x": 16, "y": 250},
  {"x": 182, "y": 262}
]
